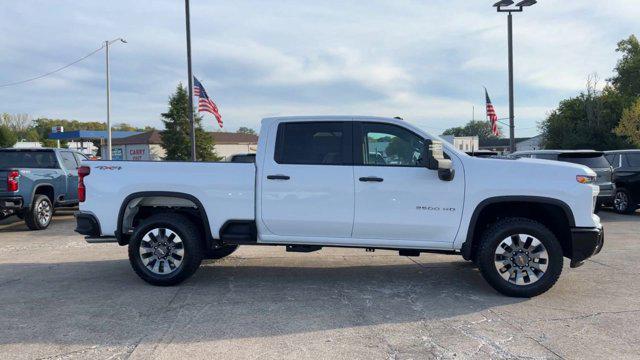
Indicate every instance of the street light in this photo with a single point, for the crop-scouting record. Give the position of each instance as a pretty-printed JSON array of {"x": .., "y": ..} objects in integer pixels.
[
  {"x": 503, "y": 6},
  {"x": 106, "y": 46}
]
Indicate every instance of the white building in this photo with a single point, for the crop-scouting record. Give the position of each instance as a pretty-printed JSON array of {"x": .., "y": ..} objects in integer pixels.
[
  {"x": 148, "y": 146},
  {"x": 463, "y": 143}
]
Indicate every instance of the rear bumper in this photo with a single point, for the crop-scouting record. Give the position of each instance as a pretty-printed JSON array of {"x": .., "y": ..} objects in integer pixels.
[
  {"x": 585, "y": 242},
  {"x": 87, "y": 224},
  {"x": 11, "y": 202}
]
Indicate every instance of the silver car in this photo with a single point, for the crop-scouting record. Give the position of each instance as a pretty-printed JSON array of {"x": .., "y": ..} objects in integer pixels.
[{"x": 591, "y": 158}]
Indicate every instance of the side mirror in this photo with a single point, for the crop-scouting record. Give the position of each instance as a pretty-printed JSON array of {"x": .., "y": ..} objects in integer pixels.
[{"x": 434, "y": 160}]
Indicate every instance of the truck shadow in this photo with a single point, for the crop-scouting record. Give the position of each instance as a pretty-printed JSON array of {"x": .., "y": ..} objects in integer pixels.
[{"x": 104, "y": 303}]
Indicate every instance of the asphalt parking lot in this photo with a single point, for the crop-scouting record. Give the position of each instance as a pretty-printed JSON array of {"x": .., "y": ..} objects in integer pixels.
[{"x": 64, "y": 299}]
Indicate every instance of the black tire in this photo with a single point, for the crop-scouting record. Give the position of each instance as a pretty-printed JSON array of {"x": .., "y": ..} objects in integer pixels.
[
  {"x": 623, "y": 202},
  {"x": 221, "y": 252},
  {"x": 191, "y": 241},
  {"x": 38, "y": 217},
  {"x": 504, "y": 229}
]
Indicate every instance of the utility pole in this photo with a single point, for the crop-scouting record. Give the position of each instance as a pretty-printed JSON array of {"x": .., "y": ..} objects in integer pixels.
[
  {"x": 190, "y": 83},
  {"x": 106, "y": 46},
  {"x": 512, "y": 141},
  {"x": 504, "y": 6}
]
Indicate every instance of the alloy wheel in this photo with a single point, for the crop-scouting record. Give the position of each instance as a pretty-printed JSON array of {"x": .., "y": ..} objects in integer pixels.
[
  {"x": 521, "y": 259},
  {"x": 44, "y": 212},
  {"x": 161, "y": 251},
  {"x": 621, "y": 201}
]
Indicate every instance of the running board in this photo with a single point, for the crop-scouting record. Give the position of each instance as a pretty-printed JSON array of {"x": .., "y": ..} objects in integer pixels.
[
  {"x": 101, "y": 240},
  {"x": 303, "y": 248}
]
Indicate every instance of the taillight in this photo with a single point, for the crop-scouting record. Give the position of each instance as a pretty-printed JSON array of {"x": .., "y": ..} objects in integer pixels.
[
  {"x": 12, "y": 180},
  {"x": 82, "y": 191}
]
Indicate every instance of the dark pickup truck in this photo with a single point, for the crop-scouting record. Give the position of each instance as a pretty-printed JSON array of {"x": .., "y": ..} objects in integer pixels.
[
  {"x": 626, "y": 176},
  {"x": 36, "y": 182}
]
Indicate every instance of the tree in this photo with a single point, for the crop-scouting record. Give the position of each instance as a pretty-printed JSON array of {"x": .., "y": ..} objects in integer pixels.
[
  {"x": 176, "y": 137},
  {"x": 626, "y": 80},
  {"x": 586, "y": 121},
  {"x": 481, "y": 129},
  {"x": 16, "y": 122},
  {"x": 629, "y": 126},
  {"x": 7, "y": 137},
  {"x": 246, "y": 130}
]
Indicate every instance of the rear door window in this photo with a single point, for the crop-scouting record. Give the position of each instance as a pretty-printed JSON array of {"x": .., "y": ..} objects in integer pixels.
[
  {"x": 314, "y": 143},
  {"x": 68, "y": 160},
  {"x": 633, "y": 160}
]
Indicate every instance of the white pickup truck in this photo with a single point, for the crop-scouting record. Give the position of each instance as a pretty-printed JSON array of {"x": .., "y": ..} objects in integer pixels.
[{"x": 344, "y": 181}]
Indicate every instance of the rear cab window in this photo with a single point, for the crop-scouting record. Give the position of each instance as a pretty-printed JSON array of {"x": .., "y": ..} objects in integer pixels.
[
  {"x": 314, "y": 143},
  {"x": 28, "y": 159}
]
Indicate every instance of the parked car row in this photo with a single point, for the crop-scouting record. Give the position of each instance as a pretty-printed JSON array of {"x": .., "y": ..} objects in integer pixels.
[
  {"x": 618, "y": 173},
  {"x": 37, "y": 182}
]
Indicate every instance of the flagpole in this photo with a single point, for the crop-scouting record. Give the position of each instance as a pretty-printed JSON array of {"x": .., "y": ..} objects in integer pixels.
[{"x": 190, "y": 83}]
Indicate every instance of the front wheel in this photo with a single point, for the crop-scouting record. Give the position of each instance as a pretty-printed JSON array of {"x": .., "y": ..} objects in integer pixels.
[
  {"x": 622, "y": 202},
  {"x": 165, "y": 249},
  {"x": 520, "y": 257}
]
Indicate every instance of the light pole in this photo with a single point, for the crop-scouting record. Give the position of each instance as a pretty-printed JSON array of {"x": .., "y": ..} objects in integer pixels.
[
  {"x": 192, "y": 130},
  {"x": 503, "y": 6},
  {"x": 106, "y": 46}
]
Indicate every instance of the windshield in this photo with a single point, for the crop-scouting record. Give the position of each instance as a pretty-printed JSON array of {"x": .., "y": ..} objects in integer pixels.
[
  {"x": 592, "y": 160},
  {"x": 28, "y": 159}
]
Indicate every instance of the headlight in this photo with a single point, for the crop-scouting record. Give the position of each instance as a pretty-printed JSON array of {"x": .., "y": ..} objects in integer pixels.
[{"x": 585, "y": 179}]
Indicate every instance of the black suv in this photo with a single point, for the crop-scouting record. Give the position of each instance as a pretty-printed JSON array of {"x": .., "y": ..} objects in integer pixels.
[
  {"x": 626, "y": 176},
  {"x": 590, "y": 158}
]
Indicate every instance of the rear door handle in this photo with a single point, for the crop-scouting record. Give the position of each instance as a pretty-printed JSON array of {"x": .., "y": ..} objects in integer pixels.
[
  {"x": 278, "y": 177},
  {"x": 371, "y": 179}
]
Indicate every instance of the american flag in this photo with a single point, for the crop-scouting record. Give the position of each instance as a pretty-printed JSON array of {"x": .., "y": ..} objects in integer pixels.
[
  {"x": 491, "y": 114},
  {"x": 204, "y": 103}
]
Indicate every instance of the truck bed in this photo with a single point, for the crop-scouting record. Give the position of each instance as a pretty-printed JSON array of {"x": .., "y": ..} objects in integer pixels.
[{"x": 226, "y": 190}]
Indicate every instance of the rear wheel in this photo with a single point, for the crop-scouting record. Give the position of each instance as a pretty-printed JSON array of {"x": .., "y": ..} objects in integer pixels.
[
  {"x": 38, "y": 217},
  {"x": 520, "y": 257},
  {"x": 623, "y": 202},
  {"x": 165, "y": 249}
]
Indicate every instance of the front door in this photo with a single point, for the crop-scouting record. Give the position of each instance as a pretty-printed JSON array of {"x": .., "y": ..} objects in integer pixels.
[
  {"x": 307, "y": 182},
  {"x": 396, "y": 198}
]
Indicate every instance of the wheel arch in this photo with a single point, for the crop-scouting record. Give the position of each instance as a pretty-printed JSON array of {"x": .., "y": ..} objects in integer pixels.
[
  {"x": 123, "y": 234},
  {"x": 495, "y": 206},
  {"x": 44, "y": 188}
]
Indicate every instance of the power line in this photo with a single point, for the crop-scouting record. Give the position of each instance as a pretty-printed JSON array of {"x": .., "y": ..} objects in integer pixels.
[{"x": 51, "y": 72}]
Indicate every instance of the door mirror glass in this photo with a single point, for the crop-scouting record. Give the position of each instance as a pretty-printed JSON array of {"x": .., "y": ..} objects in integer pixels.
[{"x": 436, "y": 160}]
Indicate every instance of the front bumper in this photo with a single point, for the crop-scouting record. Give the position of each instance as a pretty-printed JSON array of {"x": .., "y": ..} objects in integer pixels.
[
  {"x": 11, "y": 202},
  {"x": 606, "y": 192},
  {"x": 585, "y": 242}
]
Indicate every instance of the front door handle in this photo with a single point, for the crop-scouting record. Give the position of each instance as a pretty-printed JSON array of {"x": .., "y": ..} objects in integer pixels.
[
  {"x": 278, "y": 177},
  {"x": 371, "y": 179}
]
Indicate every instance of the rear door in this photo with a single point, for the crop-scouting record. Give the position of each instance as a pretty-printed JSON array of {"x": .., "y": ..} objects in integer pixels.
[
  {"x": 70, "y": 167},
  {"x": 307, "y": 181}
]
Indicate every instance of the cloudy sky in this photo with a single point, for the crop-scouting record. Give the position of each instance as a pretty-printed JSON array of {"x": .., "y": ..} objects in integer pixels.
[{"x": 426, "y": 61}]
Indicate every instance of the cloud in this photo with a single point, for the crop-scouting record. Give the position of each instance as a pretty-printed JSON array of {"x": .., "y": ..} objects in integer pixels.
[{"x": 425, "y": 61}]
